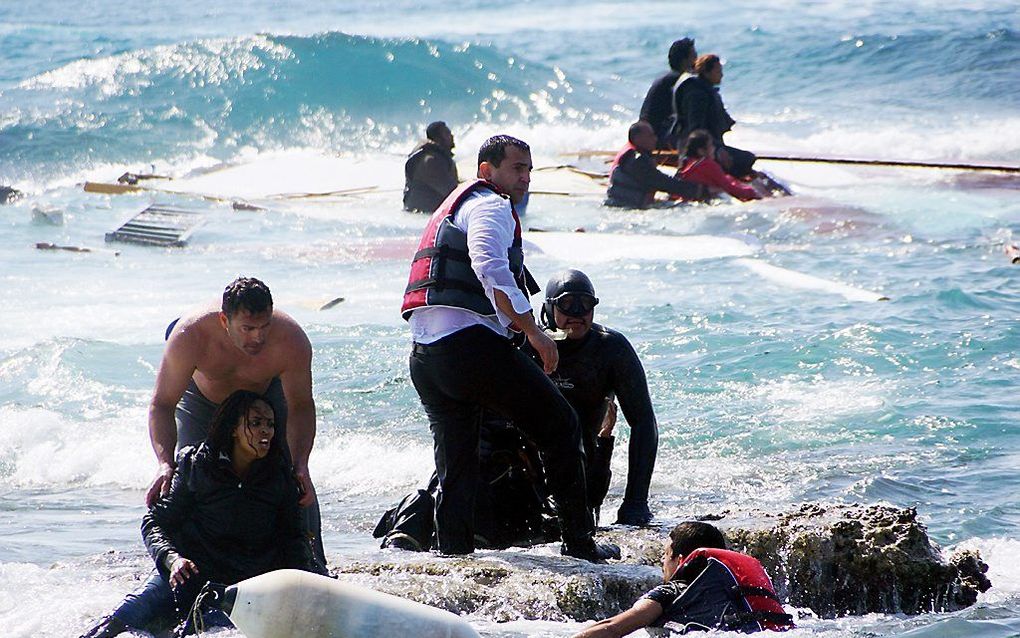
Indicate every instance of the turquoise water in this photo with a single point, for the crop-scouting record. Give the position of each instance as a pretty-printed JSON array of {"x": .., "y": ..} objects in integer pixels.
[{"x": 768, "y": 393}]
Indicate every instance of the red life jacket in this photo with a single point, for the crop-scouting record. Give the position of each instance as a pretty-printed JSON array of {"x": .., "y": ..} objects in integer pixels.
[
  {"x": 727, "y": 590},
  {"x": 441, "y": 273}
]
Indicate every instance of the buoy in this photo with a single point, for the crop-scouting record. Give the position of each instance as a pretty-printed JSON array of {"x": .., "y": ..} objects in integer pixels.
[{"x": 290, "y": 603}]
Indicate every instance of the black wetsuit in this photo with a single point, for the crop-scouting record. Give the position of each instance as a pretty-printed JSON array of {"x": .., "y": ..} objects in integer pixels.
[
  {"x": 635, "y": 180},
  {"x": 657, "y": 109},
  {"x": 699, "y": 106},
  {"x": 591, "y": 371},
  {"x": 430, "y": 175}
]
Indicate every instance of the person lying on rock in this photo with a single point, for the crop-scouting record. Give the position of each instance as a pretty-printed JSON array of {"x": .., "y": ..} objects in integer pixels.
[
  {"x": 231, "y": 514},
  {"x": 705, "y": 587}
]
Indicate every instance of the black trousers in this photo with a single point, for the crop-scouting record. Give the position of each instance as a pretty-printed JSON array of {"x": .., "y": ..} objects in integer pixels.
[{"x": 475, "y": 368}]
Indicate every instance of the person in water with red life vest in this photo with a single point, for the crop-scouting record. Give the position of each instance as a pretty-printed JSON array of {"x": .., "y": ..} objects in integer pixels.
[
  {"x": 466, "y": 299},
  {"x": 430, "y": 173},
  {"x": 705, "y": 587},
  {"x": 698, "y": 166},
  {"x": 634, "y": 178}
]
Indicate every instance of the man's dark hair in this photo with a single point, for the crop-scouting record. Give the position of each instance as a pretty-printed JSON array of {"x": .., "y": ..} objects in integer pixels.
[
  {"x": 246, "y": 293},
  {"x": 433, "y": 130},
  {"x": 679, "y": 52},
  {"x": 637, "y": 128},
  {"x": 705, "y": 63},
  {"x": 691, "y": 535},
  {"x": 493, "y": 150},
  {"x": 234, "y": 411},
  {"x": 697, "y": 141}
]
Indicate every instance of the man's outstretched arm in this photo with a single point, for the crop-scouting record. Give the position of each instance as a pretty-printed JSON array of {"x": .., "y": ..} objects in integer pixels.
[
  {"x": 172, "y": 379},
  {"x": 297, "y": 390}
]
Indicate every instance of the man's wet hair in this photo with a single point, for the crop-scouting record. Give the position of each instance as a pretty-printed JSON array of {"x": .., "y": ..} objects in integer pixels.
[
  {"x": 234, "y": 411},
  {"x": 493, "y": 150},
  {"x": 679, "y": 51},
  {"x": 697, "y": 141},
  {"x": 705, "y": 63},
  {"x": 691, "y": 535},
  {"x": 636, "y": 128},
  {"x": 246, "y": 293},
  {"x": 433, "y": 130}
]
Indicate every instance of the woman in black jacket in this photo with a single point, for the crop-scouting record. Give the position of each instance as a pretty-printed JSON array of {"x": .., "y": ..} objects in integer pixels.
[{"x": 231, "y": 513}]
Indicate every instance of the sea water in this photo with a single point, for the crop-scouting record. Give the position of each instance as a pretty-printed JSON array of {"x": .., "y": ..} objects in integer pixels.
[{"x": 768, "y": 394}]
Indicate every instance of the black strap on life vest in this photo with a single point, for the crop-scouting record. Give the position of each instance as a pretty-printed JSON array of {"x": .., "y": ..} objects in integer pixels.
[
  {"x": 760, "y": 617},
  {"x": 756, "y": 591}
]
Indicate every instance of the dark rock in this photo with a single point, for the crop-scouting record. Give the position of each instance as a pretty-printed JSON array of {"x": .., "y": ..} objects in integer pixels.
[{"x": 833, "y": 559}]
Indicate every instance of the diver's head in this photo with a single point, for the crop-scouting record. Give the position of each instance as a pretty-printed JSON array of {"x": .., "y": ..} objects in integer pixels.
[{"x": 570, "y": 304}]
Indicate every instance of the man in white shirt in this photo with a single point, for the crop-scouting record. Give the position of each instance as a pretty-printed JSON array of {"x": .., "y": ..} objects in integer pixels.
[{"x": 466, "y": 295}]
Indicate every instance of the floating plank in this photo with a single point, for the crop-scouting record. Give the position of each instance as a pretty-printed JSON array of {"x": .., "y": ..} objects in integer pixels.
[
  {"x": 794, "y": 279},
  {"x": 158, "y": 226}
]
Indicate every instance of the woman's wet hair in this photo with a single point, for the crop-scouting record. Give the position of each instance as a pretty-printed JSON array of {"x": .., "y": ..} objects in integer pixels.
[
  {"x": 697, "y": 142},
  {"x": 233, "y": 411},
  {"x": 691, "y": 535},
  {"x": 705, "y": 63}
]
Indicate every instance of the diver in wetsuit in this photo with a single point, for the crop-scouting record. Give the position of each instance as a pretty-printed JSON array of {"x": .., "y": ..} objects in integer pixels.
[{"x": 598, "y": 364}]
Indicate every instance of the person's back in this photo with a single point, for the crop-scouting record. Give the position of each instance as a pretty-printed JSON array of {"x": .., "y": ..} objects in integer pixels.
[
  {"x": 430, "y": 172},
  {"x": 657, "y": 108}
]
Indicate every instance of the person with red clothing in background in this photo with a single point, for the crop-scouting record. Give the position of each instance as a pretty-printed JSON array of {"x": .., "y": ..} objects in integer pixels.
[{"x": 698, "y": 166}]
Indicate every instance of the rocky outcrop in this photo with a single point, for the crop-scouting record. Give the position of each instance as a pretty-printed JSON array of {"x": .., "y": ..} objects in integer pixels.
[{"x": 832, "y": 559}]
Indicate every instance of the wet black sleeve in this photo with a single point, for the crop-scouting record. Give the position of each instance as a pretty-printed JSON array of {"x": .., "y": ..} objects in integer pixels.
[
  {"x": 295, "y": 548},
  {"x": 666, "y": 593},
  {"x": 697, "y": 110},
  {"x": 631, "y": 389},
  {"x": 643, "y": 167},
  {"x": 167, "y": 515}
]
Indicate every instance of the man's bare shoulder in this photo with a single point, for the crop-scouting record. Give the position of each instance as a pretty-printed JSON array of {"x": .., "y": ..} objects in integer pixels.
[
  {"x": 195, "y": 328},
  {"x": 289, "y": 331}
]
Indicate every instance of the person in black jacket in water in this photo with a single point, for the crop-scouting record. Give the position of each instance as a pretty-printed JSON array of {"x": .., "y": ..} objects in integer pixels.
[
  {"x": 634, "y": 178},
  {"x": 657, "y": 108},
  {"x": 232, "y": 513},
  {"x": 699, "y": 106},
  {"x": 430, "y": 173}
]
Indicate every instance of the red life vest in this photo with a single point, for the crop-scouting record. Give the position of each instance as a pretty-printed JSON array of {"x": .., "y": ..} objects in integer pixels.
[
  {"x": 441, "y": 273},
  {"x": 749, "y": 601}
]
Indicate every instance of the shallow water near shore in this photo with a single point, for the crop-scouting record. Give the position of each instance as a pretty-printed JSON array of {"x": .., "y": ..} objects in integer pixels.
[{"x": 769, "y": 392}]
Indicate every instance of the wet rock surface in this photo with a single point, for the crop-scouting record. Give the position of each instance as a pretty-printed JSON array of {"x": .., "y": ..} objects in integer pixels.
[{"x": 832, "y": 559}]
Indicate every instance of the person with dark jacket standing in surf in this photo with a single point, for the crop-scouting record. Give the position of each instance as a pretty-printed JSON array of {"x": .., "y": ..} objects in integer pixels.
[
  {"x": 466, "y": 299},
  {"x": 430, "y": 173}
]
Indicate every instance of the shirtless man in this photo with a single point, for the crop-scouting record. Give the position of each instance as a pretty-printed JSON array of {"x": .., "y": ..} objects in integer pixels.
[{"x": 247, "y": 345}]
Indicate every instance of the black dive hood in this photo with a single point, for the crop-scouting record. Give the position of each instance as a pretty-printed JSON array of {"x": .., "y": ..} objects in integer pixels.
[{"x": 568, "y": 281}]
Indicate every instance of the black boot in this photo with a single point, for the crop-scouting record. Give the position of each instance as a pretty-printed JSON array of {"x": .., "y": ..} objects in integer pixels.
[
  {"x": 108, "y": 627},
  {"x": 590, "y": 550}
]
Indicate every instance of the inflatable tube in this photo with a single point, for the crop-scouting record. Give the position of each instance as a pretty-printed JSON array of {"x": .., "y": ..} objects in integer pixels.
[{"x": 289, "y": 603}]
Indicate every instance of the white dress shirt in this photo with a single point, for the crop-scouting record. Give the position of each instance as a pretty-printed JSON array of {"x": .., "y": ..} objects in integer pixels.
[{"x": 486, "y": 219}]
